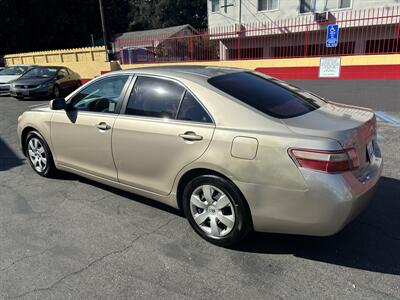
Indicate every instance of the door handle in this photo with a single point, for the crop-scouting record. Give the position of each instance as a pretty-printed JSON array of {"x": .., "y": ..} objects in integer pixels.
[
  {"x": 191, "y": 136},
  {"x": 103, "y": 126}
]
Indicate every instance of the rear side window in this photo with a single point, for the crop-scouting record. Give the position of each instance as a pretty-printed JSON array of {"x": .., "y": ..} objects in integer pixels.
[
  {"x": 154, "y": 97},
  {"x": 264, "y": 94},
  {"x": 191, "y": 110}
]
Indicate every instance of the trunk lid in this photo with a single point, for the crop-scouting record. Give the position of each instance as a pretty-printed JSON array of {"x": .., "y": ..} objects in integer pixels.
[{"x": 352, "y": 127}]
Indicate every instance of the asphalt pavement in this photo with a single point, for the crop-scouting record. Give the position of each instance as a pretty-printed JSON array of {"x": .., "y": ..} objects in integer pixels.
[{"x": 72, "y": 238}]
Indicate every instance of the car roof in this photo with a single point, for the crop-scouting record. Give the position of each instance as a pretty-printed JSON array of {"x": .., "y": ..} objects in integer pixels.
[
  {"x": 193, "y": 73},
  {"x": 48, "y": 67},
  {"x": 21, "y": 65}
]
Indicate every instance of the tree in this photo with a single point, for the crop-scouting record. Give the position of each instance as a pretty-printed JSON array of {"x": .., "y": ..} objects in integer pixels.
[
  {"x": 34, "y": 25},
  {"x": 31, "y": 25},
  {"x": 152, "y": 14}
]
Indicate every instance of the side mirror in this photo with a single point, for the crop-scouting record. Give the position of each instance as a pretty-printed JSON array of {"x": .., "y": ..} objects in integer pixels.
[{"x": 58, "y": 104}]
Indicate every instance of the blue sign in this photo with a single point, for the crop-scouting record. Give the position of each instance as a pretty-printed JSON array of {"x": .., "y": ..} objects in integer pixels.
[{"x": 332, "y": 36}]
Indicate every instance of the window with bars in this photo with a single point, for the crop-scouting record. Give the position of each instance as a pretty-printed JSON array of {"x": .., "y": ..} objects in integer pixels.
[
  {"x": 323, "y": 5},
  {"x": 215, "y": 5},
  {"x": 268, "y": 5}
]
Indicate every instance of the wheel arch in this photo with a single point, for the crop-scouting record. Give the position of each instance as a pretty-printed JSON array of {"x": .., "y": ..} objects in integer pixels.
[
  {"x": 193, "y": 173},
  {"x": 24, "y": 135}
]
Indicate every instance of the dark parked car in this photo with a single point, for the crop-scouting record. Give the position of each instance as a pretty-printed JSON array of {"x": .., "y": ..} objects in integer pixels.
[{"x": 43, "y": 82}]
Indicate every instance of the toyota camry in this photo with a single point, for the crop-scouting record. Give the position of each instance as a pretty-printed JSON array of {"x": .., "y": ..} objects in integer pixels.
[{"x": 235, "y": 150}]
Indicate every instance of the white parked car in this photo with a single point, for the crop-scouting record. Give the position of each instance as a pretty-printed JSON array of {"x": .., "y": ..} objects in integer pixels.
[{"x": 10, "y": 74}]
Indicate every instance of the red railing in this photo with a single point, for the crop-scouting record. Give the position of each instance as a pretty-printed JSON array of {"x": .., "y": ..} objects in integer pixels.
[{"x": 369, "y": 31}]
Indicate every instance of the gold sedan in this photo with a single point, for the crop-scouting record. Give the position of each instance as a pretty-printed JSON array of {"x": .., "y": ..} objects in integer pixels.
[{"x": 235, "y": 150}]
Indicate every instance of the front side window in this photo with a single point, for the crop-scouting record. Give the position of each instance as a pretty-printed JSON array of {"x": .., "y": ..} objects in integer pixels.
[
  {"x": 269, "y": 96},
  {"x": 215, "y": 5},
  {"x": 323, "y": 5},
  {"x": 155, "y": 97},
  {"x": 268, "y": 5},
  {"x": 101, "y": 96},
  {"x": 191, "y": 110}
]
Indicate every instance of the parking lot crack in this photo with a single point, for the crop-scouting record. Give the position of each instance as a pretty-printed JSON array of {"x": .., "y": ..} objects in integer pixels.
[
  {"x": 92, "y": 263},
  {"x": 22, "y": 259}
]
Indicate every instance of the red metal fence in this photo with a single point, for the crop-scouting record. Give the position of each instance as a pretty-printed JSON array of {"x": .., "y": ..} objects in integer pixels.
[{"x": 369, "y": 31}]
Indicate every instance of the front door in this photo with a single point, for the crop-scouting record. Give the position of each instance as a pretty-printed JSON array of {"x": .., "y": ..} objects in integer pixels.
[
  {"x": 163, "y": 129},
  {"x": 81, "y": 135}
]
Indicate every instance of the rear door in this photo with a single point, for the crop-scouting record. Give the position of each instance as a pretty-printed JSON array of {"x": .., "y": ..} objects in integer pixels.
[{"x": 162, "y": 129}]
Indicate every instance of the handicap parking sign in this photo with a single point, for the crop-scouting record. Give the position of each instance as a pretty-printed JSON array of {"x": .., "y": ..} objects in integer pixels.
[{"x": 332, "y": 36}]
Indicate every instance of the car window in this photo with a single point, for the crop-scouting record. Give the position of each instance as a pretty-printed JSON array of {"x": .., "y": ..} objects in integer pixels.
[
  {"x": 63, "y": 72},
  {"x": 14, "y": 71},
  {"x": 191, "y": 110},
  {"x": 42, "y": 72},
  {"x": 101, "y": 96},
  {"x": 155, "y": 97},
  {"x": 266, "y": 95}
]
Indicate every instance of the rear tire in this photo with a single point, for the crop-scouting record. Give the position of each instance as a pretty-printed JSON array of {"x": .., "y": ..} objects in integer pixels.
[
  {"x": 216, "y": 210},
  {"x": 39, "y": 155}
]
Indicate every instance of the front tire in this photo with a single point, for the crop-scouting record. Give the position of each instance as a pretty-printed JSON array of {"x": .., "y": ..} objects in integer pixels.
[
  {"x": 216, "y": 210},
  {"x": 56, "y": 92},
  {"x": 39, "y": 155}
]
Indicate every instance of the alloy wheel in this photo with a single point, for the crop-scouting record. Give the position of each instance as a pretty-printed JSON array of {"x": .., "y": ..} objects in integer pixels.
[
  {"x": 37, "y": 154},
  {"x": 56, "y": 92}
]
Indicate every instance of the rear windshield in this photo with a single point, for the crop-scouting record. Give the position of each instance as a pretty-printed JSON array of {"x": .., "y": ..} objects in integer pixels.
[{"x": 270, "y": 96}]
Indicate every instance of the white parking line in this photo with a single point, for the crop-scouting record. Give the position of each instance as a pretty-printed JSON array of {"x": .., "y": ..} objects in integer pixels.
[{"x": 36, "y": 105}]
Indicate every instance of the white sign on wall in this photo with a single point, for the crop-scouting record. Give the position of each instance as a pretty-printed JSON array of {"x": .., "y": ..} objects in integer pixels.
[{"x": 329, "y": 67}]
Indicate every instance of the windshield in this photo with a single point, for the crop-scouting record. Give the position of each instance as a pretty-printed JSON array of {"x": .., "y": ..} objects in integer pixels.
[
  {"x": 268, "y": 95},
  {"x": 14, "y": 71},
  {"x": 41, "y": 72}
]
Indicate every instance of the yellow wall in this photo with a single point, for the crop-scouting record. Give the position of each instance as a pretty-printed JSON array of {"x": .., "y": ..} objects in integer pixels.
[
  {"x": 90, "y": 62},
  {"x": 357, "y": 60}
]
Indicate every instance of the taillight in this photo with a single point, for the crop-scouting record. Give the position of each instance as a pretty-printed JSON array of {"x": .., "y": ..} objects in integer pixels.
[{"x": 326, "y": 161}]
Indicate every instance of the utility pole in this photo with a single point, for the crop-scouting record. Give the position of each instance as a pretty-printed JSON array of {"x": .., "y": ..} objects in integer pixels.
[
  {"x": 240, "y": 14},
  {"x": 103, "y": 25},
  {"x": 240, "y": 31}
]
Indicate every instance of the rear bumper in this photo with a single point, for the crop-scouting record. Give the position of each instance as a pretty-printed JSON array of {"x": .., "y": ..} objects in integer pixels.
[{"x": 327, "y": 204}]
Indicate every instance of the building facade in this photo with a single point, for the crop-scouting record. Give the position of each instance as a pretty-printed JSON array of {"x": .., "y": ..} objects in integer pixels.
[
  {"x": 227, "y": 12},
  {"x": 298, "y": 28}
]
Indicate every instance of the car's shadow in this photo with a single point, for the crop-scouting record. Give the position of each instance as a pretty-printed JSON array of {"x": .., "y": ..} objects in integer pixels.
[
  {"x": 61, "y": 175},
  {"x": 371, "y": 242},
  {"x": 8, "y": 158}
]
